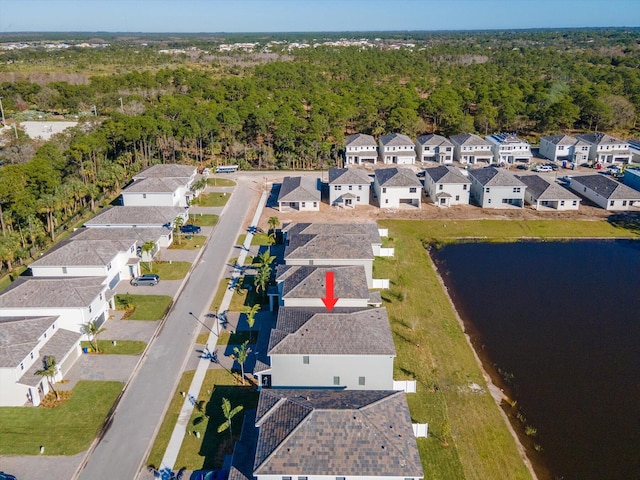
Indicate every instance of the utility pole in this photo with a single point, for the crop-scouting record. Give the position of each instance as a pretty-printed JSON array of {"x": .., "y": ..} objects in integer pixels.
[
  {"x": 2, "y": 112},
  {"x": 121, "y": 105},
  {"x": 95, "y": 110}
]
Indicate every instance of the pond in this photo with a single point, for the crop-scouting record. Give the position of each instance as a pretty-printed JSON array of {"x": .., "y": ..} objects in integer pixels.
[{"x": 559, "y": 322}]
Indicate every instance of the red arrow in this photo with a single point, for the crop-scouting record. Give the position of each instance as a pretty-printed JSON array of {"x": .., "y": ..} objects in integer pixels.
[{"x": 329, "y": 300}]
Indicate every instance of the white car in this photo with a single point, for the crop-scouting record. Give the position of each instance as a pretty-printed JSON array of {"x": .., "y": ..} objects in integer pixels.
[{"x": 544, "y": 168}]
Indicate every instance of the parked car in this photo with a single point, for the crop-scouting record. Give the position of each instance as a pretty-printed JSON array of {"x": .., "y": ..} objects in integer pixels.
[
  {"x": 552, "y": 165},
  {"x": 543, "y": 168},
  {"x": 148, "y": 279},
  {"x": 190, "y": 228}
]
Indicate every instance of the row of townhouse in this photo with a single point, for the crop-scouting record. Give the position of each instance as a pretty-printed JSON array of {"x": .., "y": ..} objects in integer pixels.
[
  {"x": 74, "y": 283},
  {"x": 446, "y": 186},
  {"x": 470, "y": 149},
  {"x": 327, "y": 407}
]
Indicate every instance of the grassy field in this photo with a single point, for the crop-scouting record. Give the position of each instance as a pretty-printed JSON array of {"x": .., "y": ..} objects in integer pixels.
[
  {"x": 468, "y": 435},
  {"x": 243, "y": 295},
  {"x": 122, "y": 347},
  {"x": 213, "y": 199},
  {"x": 203, "y": 220},
  {"x": 143, "y": 307},
  {"x": 203, "y": 452},
  {"x": 166, "y": 270},
  {"x": 220, "y": 182},
  {"x": 65, "y": 430},
  {"x": 257, "y": 239},
  {"x": 188, "y": 242}
]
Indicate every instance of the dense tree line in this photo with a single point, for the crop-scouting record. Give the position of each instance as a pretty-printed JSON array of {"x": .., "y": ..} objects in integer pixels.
[{"x": 296, "y": 113}]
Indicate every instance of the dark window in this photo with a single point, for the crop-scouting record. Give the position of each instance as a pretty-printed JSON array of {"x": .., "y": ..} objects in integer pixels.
[
  {"x": 305, "y": 359},
  {"x": 384, "y": 190},
  {"x": 464, "y": 187},
  {"x": 336, "y": 380},
  {"x": 412, "y": 190},
  {"x": 440, "y": 187},
  {"x": 360, "y": 380}
]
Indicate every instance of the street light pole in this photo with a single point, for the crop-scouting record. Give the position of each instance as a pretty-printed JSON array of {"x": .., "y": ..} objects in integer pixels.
[
  {"x": 121, "y": 105},
  {"x": 204, "y": 324}
]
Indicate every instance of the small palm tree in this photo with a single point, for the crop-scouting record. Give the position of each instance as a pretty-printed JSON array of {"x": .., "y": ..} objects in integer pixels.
[
  {"x": 273, "y": 223},
  {"x": 177, "y": 225},
  {"x": 261, "y": 279},
  {"x": 92, "y": 331},
  {"x": 265, "y": 258},
  {"x": 241, "y": 355},
  {"x": 251, "y": 314},
  {"x": 49, "y": 370},
  {"x": 228, "y": 413},
  {"x": 148, "y": 248}
]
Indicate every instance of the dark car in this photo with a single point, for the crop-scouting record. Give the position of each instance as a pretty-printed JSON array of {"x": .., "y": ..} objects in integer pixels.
[
  {"x": 148, "y": 279},
  {"x": 190, "y": 228}
]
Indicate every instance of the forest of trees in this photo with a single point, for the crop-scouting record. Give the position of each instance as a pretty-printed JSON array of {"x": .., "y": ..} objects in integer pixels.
[{"x": 292, "y": 111}]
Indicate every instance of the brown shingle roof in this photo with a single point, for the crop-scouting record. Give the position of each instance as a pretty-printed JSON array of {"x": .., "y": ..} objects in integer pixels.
[
  {"x": 368, "y": 229},
  {"x": 468, "y": 139},
  {"x": 83, "y": 253}
]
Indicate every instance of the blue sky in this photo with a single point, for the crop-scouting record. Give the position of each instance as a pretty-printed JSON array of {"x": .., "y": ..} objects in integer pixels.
[{"x": 310, "y": 15}]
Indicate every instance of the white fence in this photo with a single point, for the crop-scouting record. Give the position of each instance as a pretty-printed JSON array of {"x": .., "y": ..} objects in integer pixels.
[
  {"x": 407, "y": 386},
  {"x": 386, "y": 252},
  {"x": 380, "y": 283},
  {"x": 420, "y": 430},
  {"x": 384, "y": 232}
]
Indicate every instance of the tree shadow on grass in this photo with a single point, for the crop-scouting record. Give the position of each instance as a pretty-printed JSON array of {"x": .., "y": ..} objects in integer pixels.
[
  {"x": 216, "y": 445},
  {"x": 626, "y": 220}
]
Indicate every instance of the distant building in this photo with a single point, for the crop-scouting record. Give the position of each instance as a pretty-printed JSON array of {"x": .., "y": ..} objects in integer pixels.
[
  {"x": 544, "y": 195},
  {"x": 360, "y": 148},
  {"x": 434, "y": 148},
  {"x": 496, "y": 188},
  {"x": 397, "y": 149},
  {"x": 632, "y": 178},
  {"x": 299, "y": 193},
  {"x": 509, "y": 149},
  {"x": 607, "y": 149},
  {"x": 564, "y": 148},
  {"x": 348, "y": 187},
  {"x": 471, "y": 149},
  {"x": 605, "y": 192},
  {"x": 397, "y": 186}
]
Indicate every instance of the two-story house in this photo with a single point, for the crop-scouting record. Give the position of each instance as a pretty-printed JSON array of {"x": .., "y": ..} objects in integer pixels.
[
  {"x": 367, "y": 231},
  {"x": 494, "y": 187},
  {"x": 434, "y": 148},
  {"x": 159, "y": 236},
  {"x": 565, "y": 148},
  {"x": 360, "y": 148},
  {"x": 165, "y": 185},
  {"x": 348, "y": 187},
  {"x": 607, "y": 149},
  {"x": 447, "y": 186},
  {"x": 509, "y": 149},
  {"x": 471, "y": 149},
  {"x": 136, "y": 217},
  {"x": 397, "y": 186},
  {"x": 397, "y": 148}
]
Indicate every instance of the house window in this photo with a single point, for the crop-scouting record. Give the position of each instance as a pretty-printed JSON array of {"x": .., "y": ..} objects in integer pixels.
[
  {"x": 624, "y": 203},
  {"x": 305, "y": 359},
  {"x": 359, "y": 187},
  {"x": 464, "y": 187},
  {"x": 338, "y": 187},
  {"x": 303, "y": 204},
  {"x": 440, "y": 187},
  {"x": 22, "y": 366},
  {"x": 562, "y": 203},
  {"x": 487, "y": 190},
  {"x": 336, "y": 380},
  {"x": 386, "y": 200},
  {"x": 303, "y": 478},
  {"x": 516, "y": 189},
  {"x": 100, "y": 295},
  {"x": 412, "y": 190},
  {"x": 575, "y": 202},
  {"x": 360, "y": 380},
  {"x": 315, "y": 204},
  {"x": 31, "y": 355},
  {"x": 286, "y": 478},
  {"x": 341, "y": 478},
  {"x": 457, "y": 197},
  {"x": 384, "y": 190},
  {"x": 611, "y": 203},
  {"x": 489, "y": 201},
  {"x": 90, "y": 309},
  {"x": 350, "y": 187},
  {"x": 64, "y": 270},
  {"x": 144, "y": 195},
  {"x": 108, "y": 266},
  {"x": 357, "y": 199}
]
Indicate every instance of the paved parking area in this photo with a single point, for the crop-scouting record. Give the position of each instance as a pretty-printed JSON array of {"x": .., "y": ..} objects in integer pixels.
[
  {"x": 165, "y": 287},
  {"x": 100, "y": 367}
]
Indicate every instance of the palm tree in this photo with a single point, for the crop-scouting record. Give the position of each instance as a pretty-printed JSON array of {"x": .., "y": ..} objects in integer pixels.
[
  {"x": 148, "y": 248},
  {"x": 265, "y": 258},
  {"x": 251, "y": 314},
  {"x": 177, "y": 225},
  {"x": 92, "y": 330},
  {"x": 49, "y": 370},
  {"x": 228, "y": 413},
  {"x": 273, "y": 223},
  {"x": 261, "y": 279},
  {"x": 241, "y": 355}
]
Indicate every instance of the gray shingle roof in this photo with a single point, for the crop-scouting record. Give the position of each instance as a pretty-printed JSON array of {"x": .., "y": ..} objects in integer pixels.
[
  {"x": 120, "y": 215},
  {"x": 443, "y": 174},
  {"x": 365, "y": 332},
  {"x": 335, "y": 433},
  {"x": 495, "y": 177},
  {"x": 607, "y": 187},
  {"x": 140, "y": 234},
  {"x": 561, "y": 139},
  {"x": 468, "y": 139},
  {"x": 299, "y": 189},
  {"x": 433, "y": 139},
  {"x": 396, "y": 140},
  {"x": 397, "y": 177},
  {"x": 350, "y": 282},
  {"x": 543, "y": 190},
  {"x": 367, "y": 229},
  {"x": 156, "y": 185},
  {"x": 77, "y": 252},
  {"x": 19, "y": 336},
  {"x": 244, "y": 451},
  {"x": 348, "y": 176},
  {"x": 599, "y": 138},
  {"x": 57, "y": 346},
  {"x": 51, "y": 292},
  {"x": 167, "y": 170},
  {"x": 360, "y": 140},
  {"x": 333, "y": 247}
]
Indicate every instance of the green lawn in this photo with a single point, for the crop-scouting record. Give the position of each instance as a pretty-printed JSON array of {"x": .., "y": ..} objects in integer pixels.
[
  {"x": 238, "y": 338},
  {"x": 122, "y": 347},
  {"x": 243, "y": 295},
  {"x": 166, "y": 270},
  {"x": 213, "y": 199},
  {"x": 187, "y": 242},
  {"x": 203, "y": 220},
  {"x": 257, "y": 239},
  {"x": 220, "y": 182},
  {"x": 7, "y": 279},
  {"x": 143, "y": 307},
  {"x": 65, "y": 430}
]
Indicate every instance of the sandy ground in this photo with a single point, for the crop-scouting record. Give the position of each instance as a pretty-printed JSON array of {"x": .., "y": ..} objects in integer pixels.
[{"x": 45, "y": 130}]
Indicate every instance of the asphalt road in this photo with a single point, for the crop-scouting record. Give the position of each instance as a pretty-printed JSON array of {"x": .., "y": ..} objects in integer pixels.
[{"x": 121, "y": 451}]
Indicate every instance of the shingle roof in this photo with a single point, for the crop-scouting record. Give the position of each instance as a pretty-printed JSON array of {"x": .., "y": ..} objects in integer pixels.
[
  {"x": 367, "y": 229},
  {"x": 543, "y": 190},
  {"x": 350, "y": 282},
  {"x": 139, "y": 234},
  {"x": 433, "y": 139},
  {"x": 443, "y": 174},
  {"x": 495, "y": 177},
  {"x": 57, "y": 346},
  {"x": 50, "y": 292},
  {"x": 607, "y": 187},
  {"x": 156, "y": 185},
  {"x": 561, "y": 139},
  {"x": 348, "y": 176},
  {"x": 304, "y": 246},
  {"x": 360, "y": 140},
  {"x": 299, "y": 189},
  {"x": 167, "y": 170},
  {"x": 599, "y": 138},
  {"x": 244, "y": 451},
  {"x": 121, "y": 215},
  {"x": 468, "y": 139},
  {"x": 397, "y": 177},
  {"x": 19, "y": 336},
  {"x": 365, "y": 332},
  {"x": 335, "y": 433},
  {"x": 395, "y": 139},
  {"x": 77, "y": 252}
]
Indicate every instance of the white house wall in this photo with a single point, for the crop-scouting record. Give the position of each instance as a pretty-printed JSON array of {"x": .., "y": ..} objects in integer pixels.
[
  {"x": 139, "y": 199},
  {"x": 493, "y": 198},
  {"x": 291, "y": 371},
  {"x": 599, "y": 200},
  {"x": 361, "y": 191},
  {"x": 391, "y": 198},
  {"x": 459, "y": 192},
  {"x": 70, "y": 318}
]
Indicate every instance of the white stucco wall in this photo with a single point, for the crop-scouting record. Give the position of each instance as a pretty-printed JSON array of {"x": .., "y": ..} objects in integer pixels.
[
  {"x": 361, "y": 191},
  {"x": 620, "y": 205},
  {"x": 459, "y": 192},
  {"x": 493, "y": 198},
  {"x": 390, "y": 197}
]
